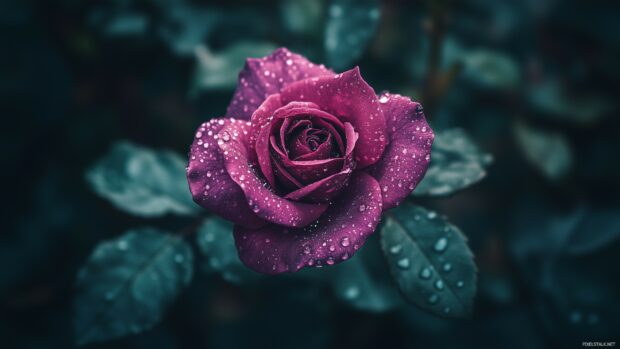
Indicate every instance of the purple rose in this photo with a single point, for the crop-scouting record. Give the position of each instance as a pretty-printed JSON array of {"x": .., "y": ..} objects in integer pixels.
[{"x": 305, "y": 161}]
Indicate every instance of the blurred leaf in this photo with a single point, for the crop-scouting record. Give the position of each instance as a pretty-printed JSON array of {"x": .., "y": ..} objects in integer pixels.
[
  {"x": 430, "y": 261},
  {"x": 596, "y": 229},
  {"x": 215, "y": 241},
  {"x": 302, "y": 16},
  {"x": 363, "y": 283},
  {"x": 351, "y": 24},
  {"x": 553, "y": 101},
  {"x": 142, "y": 181},
  {"x": 219, "y": 71},
  {"x": 548, "y": 151},
  {"x": 456, "y": 163},
  {"x": 127, "y": 284},
  {"x": 574, "y": 286},
  {"x": 491, "y": 70},
  {"x": 187, "y": 25}
]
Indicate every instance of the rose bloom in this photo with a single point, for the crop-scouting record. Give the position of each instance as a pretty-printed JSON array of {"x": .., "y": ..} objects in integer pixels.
[{"x": 305, "y": 162}]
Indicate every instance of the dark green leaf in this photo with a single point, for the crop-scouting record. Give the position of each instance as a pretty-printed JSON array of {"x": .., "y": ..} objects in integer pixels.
[
  {"x": 142, "y": 182},
  {"x": 219, "y": 70},
  {"x": 551, "y": 100},
  {"x": 362, "y": 282},
  {"x": 350, "y": 26},
  {"x": 489, "y": 69},
  {"x": 216, "y": 242},
  {"x": 456, "y": 163},
  {"x": 548, "y": 151},
  {"x": 128, "y": 282},
  {"x": 429, "y": 260}
]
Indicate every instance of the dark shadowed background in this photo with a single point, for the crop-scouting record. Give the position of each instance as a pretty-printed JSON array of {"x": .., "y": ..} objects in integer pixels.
[{"x": 534, "y": 83}]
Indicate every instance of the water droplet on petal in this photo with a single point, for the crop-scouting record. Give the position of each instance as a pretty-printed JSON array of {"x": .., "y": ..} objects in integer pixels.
[
  {"x": 447, "y": 267},
  {"x": 460, "y": 284},
  {"x": 345, "y": 242}
]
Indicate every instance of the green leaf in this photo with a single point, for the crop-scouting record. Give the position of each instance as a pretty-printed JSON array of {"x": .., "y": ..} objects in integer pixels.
[
  {"x": 350, "y": 26},
  {"x": 430, "y": 261},
  {"x": 548, "y": 151},
  {"x": 215, "y": 241},
  {"x": 128, "y": 282},
  {"x": 362, "y": 282},
  {"x": 551, "y": 99},
  {"x": 219, "y": 70},
  {"x": 456, "y": 163},
  {"x": 492, "y": 70},
  {"x": 142, "y": 182}
]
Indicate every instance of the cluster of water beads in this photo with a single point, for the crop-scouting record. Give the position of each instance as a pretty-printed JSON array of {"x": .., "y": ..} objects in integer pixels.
[{"x": 427, "y": 273}]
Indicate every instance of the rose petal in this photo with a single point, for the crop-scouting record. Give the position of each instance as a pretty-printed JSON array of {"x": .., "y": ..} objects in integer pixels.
[
  {"x": 335, "y": 237},
  {"x": 307, "y": 110},
  {"x": 311, "y": 171},
  {"x": 262, "y": 201},
  {"x": 263, "y": 115},
  {"x": 301, "y": 151},
  {"x": 287, "y": 180},
  {"x": 265, "y": 76},
  {"x": 407, "y": 156},
  {"x": 323, "y": 190},
  {"x": 348, "y": 97},
  {"x": 209, "y": 183}
]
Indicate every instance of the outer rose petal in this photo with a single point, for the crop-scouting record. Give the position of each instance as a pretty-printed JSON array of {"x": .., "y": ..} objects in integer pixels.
[
  {"x": 348, "y": 97},
  {"x": 335, "y": 237},
  {"x": 407, "y": 156},
  {"x": 265, "y": 76},
  {"x": 209, "y": 183},
  {"x": 267, "y": 205}
]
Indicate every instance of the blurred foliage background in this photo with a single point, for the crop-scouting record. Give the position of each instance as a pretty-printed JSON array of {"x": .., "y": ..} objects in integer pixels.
[{"x": 533, "y": 82}]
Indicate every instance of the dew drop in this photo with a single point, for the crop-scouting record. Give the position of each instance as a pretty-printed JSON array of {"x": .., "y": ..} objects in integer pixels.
[
  {"x": 460, "y": 284},
  {"x": 447, "y": 267},
  {"x": 433, "y": 298},
  {"x": 575, "y": 317},
  {"x": 362, "y": 208},
  {"x": 404, "y": 263},
  {"x": 179, "y": 258},
  {"x": 352, "y": 292},
  {"x": 384, "y": 99},
  {"x": 441, "y": 245},
  {"x": 425, "y": 273},
  {"x": 122, "y": 245},
  {"x": 439, "y": 285},
  {"x": 431, "y": 215},
  {"x": 396, "y": 249},
  {"x": 345, "y": 242}
]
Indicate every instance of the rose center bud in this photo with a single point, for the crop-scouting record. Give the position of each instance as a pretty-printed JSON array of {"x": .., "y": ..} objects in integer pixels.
[{"x": 309, "y": 155}]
